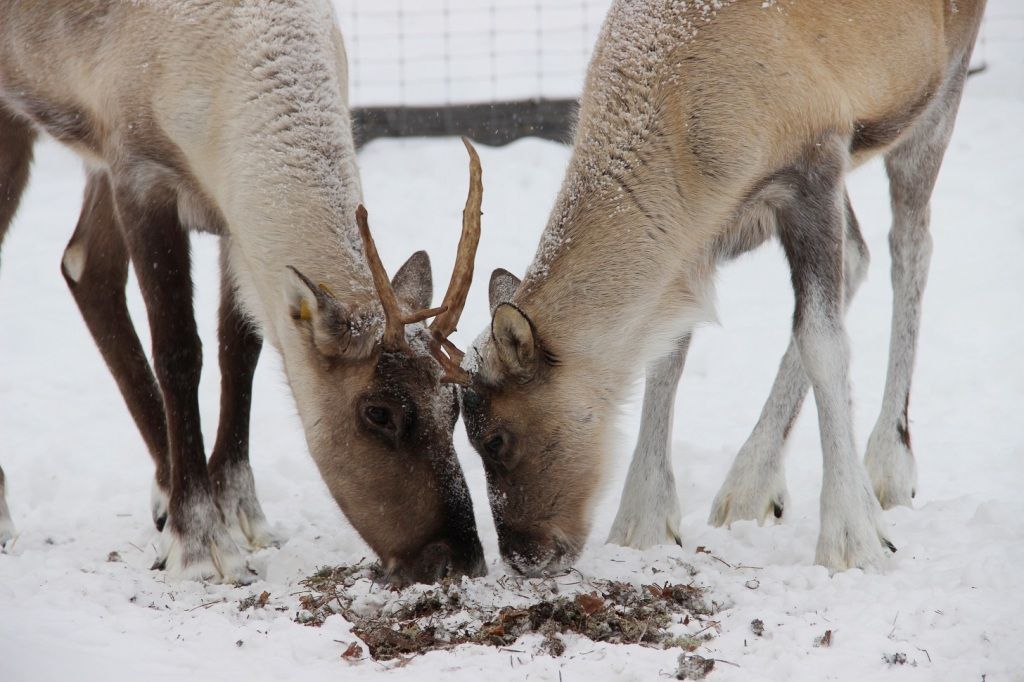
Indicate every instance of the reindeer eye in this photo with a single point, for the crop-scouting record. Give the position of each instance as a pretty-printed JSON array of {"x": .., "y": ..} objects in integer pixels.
[
  {"x": 377, "y": 415},
  {"x": 494, "y": 445}
]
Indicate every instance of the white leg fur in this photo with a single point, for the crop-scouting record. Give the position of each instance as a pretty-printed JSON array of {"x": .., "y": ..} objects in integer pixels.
[
  {"x": 7, "y": 531},
  {"x": 159, "y": 500},
  {"x": 207, "y": 553},
  {"x": 889, "y": 459},
  {"x": 891, "y": 467},
  {"x": 851, "y": 531},
  {"x": 237, "y": 500},
  {"x": 913, "y": 168},
  {"x": 649, "y": 509}
]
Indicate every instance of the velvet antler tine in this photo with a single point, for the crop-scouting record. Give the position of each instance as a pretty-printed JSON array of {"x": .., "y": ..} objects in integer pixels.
[
  {"x": 453, "y": 373},
  {"x": 462, "y": 274},
  {"x": 394, "y": 327},
  {"x": 453, "y": 351},
  {"x": 421, "y": 315}
]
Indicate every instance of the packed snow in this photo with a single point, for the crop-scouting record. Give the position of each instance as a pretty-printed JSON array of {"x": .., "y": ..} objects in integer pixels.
[{"x": 78, "y": 601}]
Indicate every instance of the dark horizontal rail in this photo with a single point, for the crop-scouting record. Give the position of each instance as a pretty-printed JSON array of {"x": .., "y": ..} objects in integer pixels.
[{"x": 495, "y": 123}]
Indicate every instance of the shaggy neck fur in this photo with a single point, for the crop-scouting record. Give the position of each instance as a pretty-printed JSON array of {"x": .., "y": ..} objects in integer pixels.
[
  {"x": 289, "y": 197},
  {"x": 622, "y": 204}
]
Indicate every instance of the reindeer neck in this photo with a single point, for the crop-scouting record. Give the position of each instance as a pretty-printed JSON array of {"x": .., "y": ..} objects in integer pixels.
[
  {"x": 290, "y": 191},
  {"x": 623, "y": 266}
]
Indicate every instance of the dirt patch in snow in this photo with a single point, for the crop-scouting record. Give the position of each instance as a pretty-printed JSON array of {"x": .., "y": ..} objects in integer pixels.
[{"x": 421, "y": 618}]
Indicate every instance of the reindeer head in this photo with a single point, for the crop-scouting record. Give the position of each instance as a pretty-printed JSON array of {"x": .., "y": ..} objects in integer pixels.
[
  {"x": 538, "y": 422},
  {"x": 379, "y": 407}
]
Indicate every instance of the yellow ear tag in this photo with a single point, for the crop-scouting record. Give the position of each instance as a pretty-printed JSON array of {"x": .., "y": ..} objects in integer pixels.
[
  {"x": 304, "y": 311},
  {"x": 326, "y": 289}
]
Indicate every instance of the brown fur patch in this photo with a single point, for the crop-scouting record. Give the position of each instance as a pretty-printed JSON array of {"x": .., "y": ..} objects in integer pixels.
[
  {"x": 67, "y": 123},
  {"x": 903, "y": 427},
  {"x": 872, "y": 135},
  {"x": 64, "y": 120},
  {"x": 16, "y": 140}
]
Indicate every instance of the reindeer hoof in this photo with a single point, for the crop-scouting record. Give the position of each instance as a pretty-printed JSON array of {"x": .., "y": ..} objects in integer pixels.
[
  {"x": 235, "y": 492},
  {"x": 851, "y": 530},
  {"x": 891, "y": 467},
  {"x": 204, "y": 550},
  {"x": 645, "y": 528},
  {"x": 218, "y": 561},
  {"x": 747, "y": 496},
  {"x": 7, "y": 533},
  {"x": 755, "y": 487},
  {"x": 252, "y": 531},
  {"x": 158, "y": 502}
]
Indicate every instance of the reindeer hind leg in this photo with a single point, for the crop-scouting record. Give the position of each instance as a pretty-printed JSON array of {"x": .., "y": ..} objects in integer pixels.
[
  {"x": 95, "y": 267},
  {"x": 913, "y": 167},
  {"x": 16, "y": 140}
]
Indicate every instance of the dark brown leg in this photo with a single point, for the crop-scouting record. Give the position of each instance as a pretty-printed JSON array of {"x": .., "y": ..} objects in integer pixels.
[
  {"x": 230, "y": 473},
  {"x": 199, "y": 543},
  {"x": 16, "y": 140},
  {"x": 95, "y": 267}
]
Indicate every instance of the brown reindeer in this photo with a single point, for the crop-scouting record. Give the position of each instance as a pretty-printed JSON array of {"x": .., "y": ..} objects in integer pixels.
[
  {"x": 232, "y": 118},
  {"x": 706, "y": 128}
]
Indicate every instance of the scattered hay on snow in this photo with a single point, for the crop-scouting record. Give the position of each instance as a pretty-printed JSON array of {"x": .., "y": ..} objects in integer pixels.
[{"x": 422, "y": 618}]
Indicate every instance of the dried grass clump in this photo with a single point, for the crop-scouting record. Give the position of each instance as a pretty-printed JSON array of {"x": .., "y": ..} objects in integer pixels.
[{"x": 421, "y": 619}]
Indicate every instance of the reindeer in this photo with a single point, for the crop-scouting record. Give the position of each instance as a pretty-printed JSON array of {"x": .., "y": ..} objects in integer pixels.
[
  {"x": 706, "y": 128},
  {"x": 232, "y": 118}
]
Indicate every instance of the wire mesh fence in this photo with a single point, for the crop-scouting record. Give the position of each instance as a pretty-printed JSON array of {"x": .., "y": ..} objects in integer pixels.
[
  {"x": 439, "y": 52},
  {"x": 495, "y": 70}
]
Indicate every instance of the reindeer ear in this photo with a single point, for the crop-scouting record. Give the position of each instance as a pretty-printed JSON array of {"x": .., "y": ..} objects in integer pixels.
[
  {"x": 414, "y": 283},
  {"x": 503, "y": 286},
  {"x": 514, "y": 339},
  {"x": 326, "y": 321}
]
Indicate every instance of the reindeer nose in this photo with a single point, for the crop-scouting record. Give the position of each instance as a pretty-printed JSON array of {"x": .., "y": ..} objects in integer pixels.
[
  {"x": 445, "y": 559},
  {"x": 533, "y": 554},
  {"x": 475, "y": 566},
  {"x": 433, "y": 562},
  {"x": 467, "y": 557}
]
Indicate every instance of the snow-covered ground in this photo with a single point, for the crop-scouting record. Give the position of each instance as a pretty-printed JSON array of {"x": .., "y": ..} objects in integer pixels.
[{"x": 952, "y": 599}]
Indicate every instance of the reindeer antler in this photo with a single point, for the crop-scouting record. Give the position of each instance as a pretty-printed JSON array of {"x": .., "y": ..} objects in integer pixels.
[
  {"x": 462, "y": 276},
  {"x": 394, "y": 321},
  {"x": 450, "y": 310}
]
